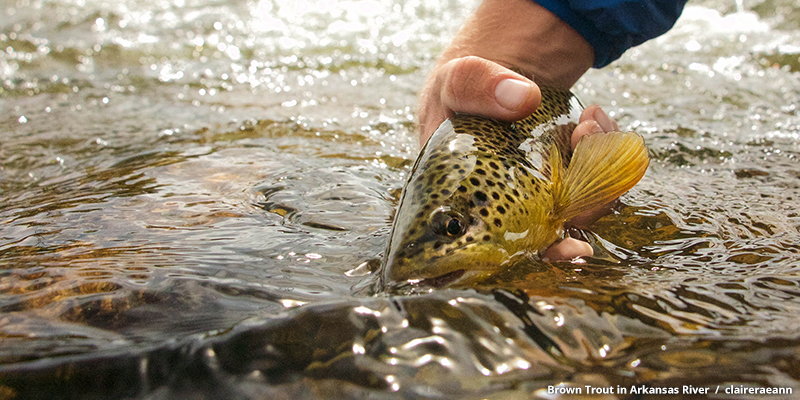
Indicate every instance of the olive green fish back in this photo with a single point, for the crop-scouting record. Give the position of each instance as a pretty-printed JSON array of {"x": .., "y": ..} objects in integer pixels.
[{"x": 552, "y": 123}]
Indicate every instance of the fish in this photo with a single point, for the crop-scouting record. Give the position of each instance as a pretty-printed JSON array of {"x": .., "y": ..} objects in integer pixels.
[{"x": 484, "y": 192}]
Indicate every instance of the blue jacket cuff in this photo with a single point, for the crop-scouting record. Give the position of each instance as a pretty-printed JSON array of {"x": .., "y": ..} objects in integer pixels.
[{"x": 613, "y": 26}]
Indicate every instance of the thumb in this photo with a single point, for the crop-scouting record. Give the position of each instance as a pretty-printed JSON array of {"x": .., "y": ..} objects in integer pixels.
[
  {"x": 478, "y": 86},
  {"x": 474, "y": 85}
]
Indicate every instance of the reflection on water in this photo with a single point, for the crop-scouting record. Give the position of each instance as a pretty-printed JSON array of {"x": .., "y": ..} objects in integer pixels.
[{"x": 195, "y": 194}]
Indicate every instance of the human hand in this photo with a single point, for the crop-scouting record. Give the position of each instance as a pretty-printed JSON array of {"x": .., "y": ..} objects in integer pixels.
[{"x": 473, "y": 74}]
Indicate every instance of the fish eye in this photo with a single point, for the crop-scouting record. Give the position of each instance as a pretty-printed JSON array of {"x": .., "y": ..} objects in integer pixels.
[
  {"x": 454, "y": 226},
  {"x": 446, "y": 222}
]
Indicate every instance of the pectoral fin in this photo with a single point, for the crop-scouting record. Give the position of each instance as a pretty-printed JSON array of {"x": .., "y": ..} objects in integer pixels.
[{"x": 603, "y": 167}]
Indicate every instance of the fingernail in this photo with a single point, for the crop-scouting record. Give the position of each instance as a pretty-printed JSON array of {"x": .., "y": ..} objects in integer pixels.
[
  {"x": 596, "y": 128},
  {"x": 602, "y": 119},
  {"x": 510, "y": 93}
]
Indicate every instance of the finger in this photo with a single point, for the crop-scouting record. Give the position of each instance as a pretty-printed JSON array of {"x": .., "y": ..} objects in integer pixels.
[
  {"x": 478, "y": 86},
  {"x": 595, "y": 113},
  {"x": 593, "y": 120},
  {"x": 567, "y": 249},
  {"x": 585, "y": 128}
]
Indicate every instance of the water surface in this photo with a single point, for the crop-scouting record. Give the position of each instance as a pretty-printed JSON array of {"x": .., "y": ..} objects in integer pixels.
[{"x": 194, "y": 195}]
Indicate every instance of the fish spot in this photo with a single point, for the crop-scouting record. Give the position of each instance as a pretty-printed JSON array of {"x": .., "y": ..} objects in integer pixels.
[
  {"x": 462, "y": 171},
  {"x": 478, "y": 162},
  {"x": 493, "y": 165},
  {"x": 445, "y": 192},
  {"x": 470, "y": 239},
  {"x": 480, "y": 196},
  {"x": 498, "y": 223},
  {"x": 511, "y": 199},
  {"x": 419, "y": 214},
  {"x": 484, "y": 212},
  {"x": 490, "y": 182},
  {"x": 440, "y": 167},
  {"x": 435, "y": 196},
  {"x": 442, "y": 180},
  {"x": 487, "y": 238},
  {"x": 480, "y": 171},
  {"x": 495, "y": 196},
  {"x": 474, "y": 181},
  {"x": 462, "y": 189},
  {"x": 501, "y": 210}
]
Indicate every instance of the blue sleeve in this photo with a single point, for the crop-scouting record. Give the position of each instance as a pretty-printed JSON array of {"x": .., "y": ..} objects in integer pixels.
[{"x": 613, "y": 26}]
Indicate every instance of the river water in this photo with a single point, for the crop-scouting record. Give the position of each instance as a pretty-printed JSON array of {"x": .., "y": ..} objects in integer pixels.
[{"x": 195, "y": 195}]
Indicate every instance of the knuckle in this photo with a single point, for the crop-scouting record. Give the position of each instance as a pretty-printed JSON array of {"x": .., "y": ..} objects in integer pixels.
[{"x": 467, "y": 78}]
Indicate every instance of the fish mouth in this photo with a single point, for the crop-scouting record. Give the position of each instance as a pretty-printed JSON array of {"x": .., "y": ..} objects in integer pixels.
[
  {"x": 443, "y": 280},
  {"x": 450, "y": 270}
]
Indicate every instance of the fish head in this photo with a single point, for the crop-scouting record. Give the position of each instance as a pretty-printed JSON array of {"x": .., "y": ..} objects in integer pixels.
[
  {"x": 445, "y": 246},
  {"x": 439, "y": 236}
]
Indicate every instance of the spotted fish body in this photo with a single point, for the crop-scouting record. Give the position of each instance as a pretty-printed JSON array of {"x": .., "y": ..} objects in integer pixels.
[{"x": 483, "y": 191}]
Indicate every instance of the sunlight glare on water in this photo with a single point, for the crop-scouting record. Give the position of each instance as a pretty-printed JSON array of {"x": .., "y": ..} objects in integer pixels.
[{"x": 196, "y": 195}]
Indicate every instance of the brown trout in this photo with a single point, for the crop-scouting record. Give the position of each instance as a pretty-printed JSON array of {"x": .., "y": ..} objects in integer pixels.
[{"x": 482, "y": 191}]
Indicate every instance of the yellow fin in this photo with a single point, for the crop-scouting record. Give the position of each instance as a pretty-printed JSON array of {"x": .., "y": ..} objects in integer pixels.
[
  {"x": 556, "y": 169},
  {"x": 603, "y": 167}
]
